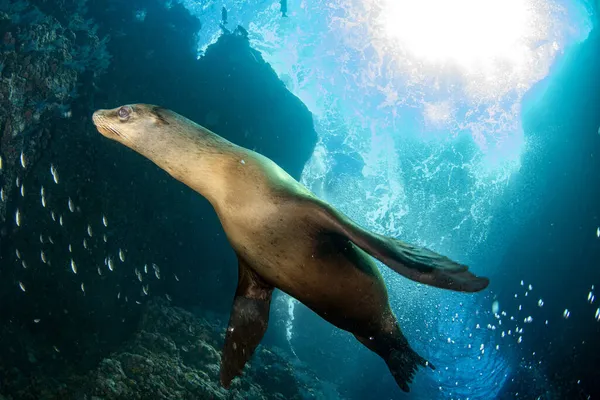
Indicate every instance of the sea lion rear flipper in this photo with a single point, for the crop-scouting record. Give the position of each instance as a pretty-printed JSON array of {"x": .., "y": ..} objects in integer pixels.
[
  {"x": 247, "y": 323},
  {"x": 414, "y": 262},
  {"x": 400, "y": 358}
]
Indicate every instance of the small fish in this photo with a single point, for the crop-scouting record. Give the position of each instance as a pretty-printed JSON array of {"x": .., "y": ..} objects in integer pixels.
[
  {"x": 138, "y": 274},
  {"x": 121, "y": 255},
  {"x": 18, "y": 217},
  {"x": 18, "y": 253},
  {"x": 104, "y": 221},
  {"x": 18, "y": 182},
  {"x": 24, "y": 264},
  {"x": 105, "y": 238},
  {"x": 89, "y": 230},
  {"x": 23, "y": 163},
  {"x": 119, "y": 295},
  {"x": 0, "y": 162},
  {"x": 41, "y": 239},
  {"x": 54, "y": 173},
  {"x": 157, "y": 273},
  {"x": 22, "y": 286},
  {"x": 597, "y": 315},
  {"x": 145, "y": 290},
  {"x": 50, "y": 239},
  {"x": 82, "y": 287},
  {"x": 73, "y": 266},
  {"x": 146, "y": 268},
  {"x": 53, "y": 216},
  {"x": 43, "y": 202},
  {"x": 137, "y": 302},
  {"x": 60, "y": 220},
  {"x": 43, "y": 256},
  {"x": 566, "y": 313},
  {"x": 176, "y": 278},
  {"x": 530, "y": 287},
  {"x": 85, "y": 245},
  {"x": 71, "y": 205},
  {"x": 598, "y": 232},
  {"x": 2, "y": 197},
  {"x": 56, "y": 349},
  {"x": 540, "y": 303},
  {"x": 22, "y": 191},
  {"x": 168, "y": 297},
  {"x": 111, "y": 266},
  {"x": 37, "y": 320},
  {"x": 70, "y": 249},
  {"x": 99, "y": 271},
  {"x": 42, "y": 191}
]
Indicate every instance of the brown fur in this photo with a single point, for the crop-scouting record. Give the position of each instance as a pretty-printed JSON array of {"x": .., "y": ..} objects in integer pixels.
[{"x": 287, "y": 237}]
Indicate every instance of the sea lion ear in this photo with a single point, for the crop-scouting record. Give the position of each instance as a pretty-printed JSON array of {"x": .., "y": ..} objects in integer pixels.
[{"x": 160, "y": 115}]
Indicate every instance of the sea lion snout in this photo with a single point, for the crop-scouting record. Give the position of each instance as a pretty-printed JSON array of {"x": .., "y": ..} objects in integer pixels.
[
  {"x": 98, "y": 116},
  {"x": 101, "y": 121}
]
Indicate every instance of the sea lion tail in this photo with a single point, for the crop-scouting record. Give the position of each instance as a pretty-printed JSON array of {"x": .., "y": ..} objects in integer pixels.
[{"x": 414, "y": 262}]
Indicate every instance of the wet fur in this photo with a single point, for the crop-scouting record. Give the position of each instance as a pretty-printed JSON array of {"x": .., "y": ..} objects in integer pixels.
[{"x": 284, "y": 237}]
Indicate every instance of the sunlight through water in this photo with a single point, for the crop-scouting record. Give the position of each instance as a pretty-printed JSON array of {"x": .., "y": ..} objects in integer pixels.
[
  {"x": 418, "y": 109},
  {"x": 471, "y": 33}
]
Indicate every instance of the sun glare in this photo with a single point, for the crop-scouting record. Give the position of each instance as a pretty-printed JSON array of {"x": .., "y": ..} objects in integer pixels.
[{"x": 470, "y": 33}]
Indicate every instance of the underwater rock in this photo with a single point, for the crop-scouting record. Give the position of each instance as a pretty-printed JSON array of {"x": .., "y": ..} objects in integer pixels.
[
  {"x": 41, "y": 61},
  {"x": 174, "y": 355}
]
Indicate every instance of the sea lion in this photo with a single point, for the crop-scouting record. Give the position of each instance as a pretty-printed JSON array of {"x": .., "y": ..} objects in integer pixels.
[{"x": 286, "y": 238}]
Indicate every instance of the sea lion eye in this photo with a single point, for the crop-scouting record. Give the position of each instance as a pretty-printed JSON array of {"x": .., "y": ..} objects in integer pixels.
[{"x": 124, "y": 112}]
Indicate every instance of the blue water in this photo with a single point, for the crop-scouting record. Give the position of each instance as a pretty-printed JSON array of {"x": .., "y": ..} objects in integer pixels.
[{"x": 468, "y": 127}]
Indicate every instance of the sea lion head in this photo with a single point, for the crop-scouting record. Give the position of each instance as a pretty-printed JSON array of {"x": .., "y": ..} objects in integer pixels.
[
  {"x": 173, "y": 142},
  {"x": 133, "y": 125}
]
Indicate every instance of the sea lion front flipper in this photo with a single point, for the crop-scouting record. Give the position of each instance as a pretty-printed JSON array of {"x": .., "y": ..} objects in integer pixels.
[
  {"x": 247, "y": 323},
  {"x": 414, "y": 262}
]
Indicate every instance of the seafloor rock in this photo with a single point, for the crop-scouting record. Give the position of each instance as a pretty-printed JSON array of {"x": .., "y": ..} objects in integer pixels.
[{"x": 174, "y": 355}]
